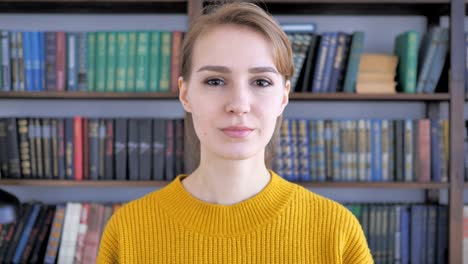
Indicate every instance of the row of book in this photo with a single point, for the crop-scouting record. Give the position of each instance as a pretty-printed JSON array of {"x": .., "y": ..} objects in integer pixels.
[
  {"x": 363, "y": 150},
  {"x": 82, "y": 148},
  {"x": 131, "y": 61},
  {"x": 330, "y": 62},
  {"x": 404, "y": 233},
  {"x": 64, "y": 233}
]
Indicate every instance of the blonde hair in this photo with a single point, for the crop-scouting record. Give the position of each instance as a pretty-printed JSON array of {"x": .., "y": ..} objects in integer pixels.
[{"x": 255, "y": 18}]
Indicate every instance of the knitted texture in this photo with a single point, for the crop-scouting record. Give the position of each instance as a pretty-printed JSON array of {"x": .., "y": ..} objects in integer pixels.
[{"x": 284, "y": 223}]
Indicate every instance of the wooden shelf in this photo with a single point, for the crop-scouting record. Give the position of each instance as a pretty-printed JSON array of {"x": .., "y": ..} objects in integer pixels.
[
  {"x": 293, "y": 96},
  {"x": 365, "y": 185}
]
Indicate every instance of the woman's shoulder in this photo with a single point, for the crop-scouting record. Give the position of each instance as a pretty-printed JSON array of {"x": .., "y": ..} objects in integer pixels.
[
  {"x": 324, "y": 207},
  {"x": 137, "y": 208}
]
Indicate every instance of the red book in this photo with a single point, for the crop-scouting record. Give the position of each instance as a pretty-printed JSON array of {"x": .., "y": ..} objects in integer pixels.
[
  {"x": 84, "y": 122},
  {"x": 78, "y": 142},
  {"x": 60, "y": 60},
  {"x": 175, "y": 60},
  {"x": 424, "y": 151}
]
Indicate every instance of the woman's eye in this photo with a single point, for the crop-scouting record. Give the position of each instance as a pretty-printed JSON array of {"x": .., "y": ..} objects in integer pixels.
[
  {"x": 215, "y": 82},
  {"x": 262, "y": 83}
]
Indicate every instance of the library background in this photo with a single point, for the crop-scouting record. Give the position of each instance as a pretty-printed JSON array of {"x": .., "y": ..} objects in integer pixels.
[{"x": 89, "y": 118}]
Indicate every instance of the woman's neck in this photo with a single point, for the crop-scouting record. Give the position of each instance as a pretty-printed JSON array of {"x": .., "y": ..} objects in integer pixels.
[{"x": 227, "y": 182}]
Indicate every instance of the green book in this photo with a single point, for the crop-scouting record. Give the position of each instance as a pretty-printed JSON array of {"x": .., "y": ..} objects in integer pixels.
[
  {"x": 154, "y": 61},
  {"x": 101, "y": 61},
  {"x": 165, "y": 62},
  {"x": 357, "y": 47},
  {"x": 142, "y": 62},
  {"x": 91, "y": 61},
  {"x": 122, "y": 61},
  {"x": 132, "y": 47},
  {"x": 111, "y": 60},
  {"x": 406, "y": 47}
]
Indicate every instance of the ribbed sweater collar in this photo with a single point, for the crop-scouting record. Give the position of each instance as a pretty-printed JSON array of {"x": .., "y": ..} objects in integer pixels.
[{"x": 225, "y": 220}]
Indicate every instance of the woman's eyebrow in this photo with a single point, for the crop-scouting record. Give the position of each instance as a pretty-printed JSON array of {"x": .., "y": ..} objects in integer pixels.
[{"x": 223, "y": 69}]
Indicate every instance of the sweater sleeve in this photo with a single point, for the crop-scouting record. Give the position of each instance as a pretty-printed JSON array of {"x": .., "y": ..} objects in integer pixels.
[
  {"x": 355, "y": 248},
  {"x": 109, "y": 246}
]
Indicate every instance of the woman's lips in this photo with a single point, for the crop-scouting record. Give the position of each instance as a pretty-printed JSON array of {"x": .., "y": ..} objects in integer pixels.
[{"x": 237, "y": 132}]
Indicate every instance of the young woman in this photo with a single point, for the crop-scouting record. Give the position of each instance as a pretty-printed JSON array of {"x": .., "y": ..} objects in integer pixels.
[{"x": 236, "y": 65}]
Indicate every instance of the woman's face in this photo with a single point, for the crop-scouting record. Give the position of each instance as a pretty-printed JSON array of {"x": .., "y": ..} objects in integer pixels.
[{"x": 235, "y": 93}]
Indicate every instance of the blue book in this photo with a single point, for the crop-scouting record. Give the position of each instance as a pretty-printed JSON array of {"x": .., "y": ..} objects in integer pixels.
[
  {"x": 303, "y": 146},
  {"x": 438, "y": 61},
  {"x": 376, "y": 147},
  {"x": 320, "y": 126},
  {"x": 405, "y": 235},
  {"x": 35, "y": 60},
  {"x": 27, "y": 61},
  {"x": 41, "y": 51},
  {"x": 442, "y": 234},
  {"x": 431, "y": 234},
  {"x": 72, "y": 61},
  {"x": 336, "y": 150},
  {"x": 426, "y": 55},
  {"x": 339, "y": 61},
  {"x": 416, "y": 230},
  {"x": 26, "y": 232},
  {"x": 329, "y": 61},
  {"x": 408, "y": 146},
  {"x": 320, "y": 63},
  {"x": 466, "y": 63},
  {"x": 312, "y": 150}
]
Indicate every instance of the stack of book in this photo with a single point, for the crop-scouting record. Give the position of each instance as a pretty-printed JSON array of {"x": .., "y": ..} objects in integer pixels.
[{"x": 377, "y": 74}]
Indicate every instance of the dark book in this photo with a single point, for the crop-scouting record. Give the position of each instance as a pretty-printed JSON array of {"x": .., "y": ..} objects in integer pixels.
[
  {"x": 144, "y": 149},
  {"x": 50, "y": 60},
  {"x": 5, "y": 231},
  {"x": 93, "y": 143},
  {"x": 34, "y": 234},
  {"x": 416, "y": 234},
  {"x": 29, "y": 224},
  {"x": 133, "y": 168},
  {"x": 109, "y": 155},
  {"x": 32, "y": 147},
  {"x": 442, "y": 235},
  {"x": 55, "y": 148},
  {"x": 85, "y": 148},
  {"x": 179, "y": 147},
  {"x": 159, "y": 141},
  {"x": 339, "y": 61},
  {"x": 343, "y": 63},
  {"x": 169, "y": 158},
  {"x": 18, "y": 232},
  {"x": 102, "y": 148},
  {"x": 69, "y": 149},
  {"x": 61, "y": 148},
  {"x": 304, "y": 82},
  {"x": 13, "y": 150},
  {"x": 39, "y": 155},
  {"x": 24, "y": 149},
  {"x": 120, "y": 149},
  {"x": 399, "y": 154},
  {"x": 6, "y": 242},
  {"x": 54, "y": 238},
  {"x": 47, "y": 148},
  {"x": 3, "y": 151},
  {"x": 431, "y": 234},
  {"x": 40, "y": 244}
]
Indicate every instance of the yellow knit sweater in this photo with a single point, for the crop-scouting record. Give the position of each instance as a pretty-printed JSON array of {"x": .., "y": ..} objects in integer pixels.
[{"x": 284, "y": 223}]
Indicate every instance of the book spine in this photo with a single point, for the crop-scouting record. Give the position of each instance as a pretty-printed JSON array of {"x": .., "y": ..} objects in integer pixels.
[
  {"x": 61, "y": 61},
  {"x": 85, "y": 129},
  {"x": 109, "y": 158},
  {"x": 28, "y": 63},
  {"x": 179, "y": 149},
  {"x": 169, "y": 159},
  {"x": 78, "y": 150},
  {"x": 3, "y": 151},
  {"x": 142, "y": 61},
  {"x": 385, "y": 151},
  {"x": 101, "y": 61},
  {"x": 133, "y": 143},
  {"x": 54, "y": 147},
  {"x": 412, "y": 61},
  {"x": 357, "y": 46},
  {"x": 72, "y": 67},
  {"x": 36, "y": 61},
  {"x": 438, "y": 62},
  {"x": 303, "y": 147},
  {"x": 26, "y": 232},
  {"x": 427, "y": 56},
  {"x": 435, "y": 152},
  {"x": 320, "y": 63},
  {"x": 82, "y": 57},
  {"x": 286, "y": 149},
  {"x": 93, "y": 139},
  {"x": 68, "y": 243},
  {"x": 82, "y": 229},
  {"x": 159, "y": 138},
  {"x": 328, "y": 150},
  {"x": 102, "y": 149},
  {"x": 21, "y": 86},
  {"x": 144, "y": 149},
  {"x": 32, "y": 146},
  {"x": 6, "y": 68},
  {"x": 61, "y": 148},
  {"x": 14, "y": 170},
  {"x": 424, "y": 151},
  {"x": 165, "y": 62},
  {"x": 50, "y": 53},
  {"x": 120, "y": 149},
  {"x": 131, "y": 66},
  {"x": 294, "y": 149},
  {"x": 24, "y": 148},
  {"x": 175, "y": 60},
  {"x": 338, "y": 62},
  {"x": 408, "y": 150},
  {"x": 91, "y": 61},
  {"x": 46, "y": 148},
  {"x": 336, "y": 149},
  {"x": 40, "y": 242},
  {"x": 42, "y": 62},
  {"x": 154, "y": 60},
  {"x": 376, "y": 150},
  {"x": 329, "y": 61},
  {"x": 122, "y": 62},
  {"x": 32, "y": 238},
  {"x": 14, "y": 60},
  {"x": 111, "y": 63}
]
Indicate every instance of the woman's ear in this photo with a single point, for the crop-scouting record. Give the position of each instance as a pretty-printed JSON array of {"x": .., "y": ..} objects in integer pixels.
[
  {"x": 285, "y": 99},
  {"x": 183, "y": 94}
]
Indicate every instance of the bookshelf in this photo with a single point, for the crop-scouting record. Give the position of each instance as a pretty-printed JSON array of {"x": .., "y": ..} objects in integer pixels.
[{"x": 430, "y": 9}]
